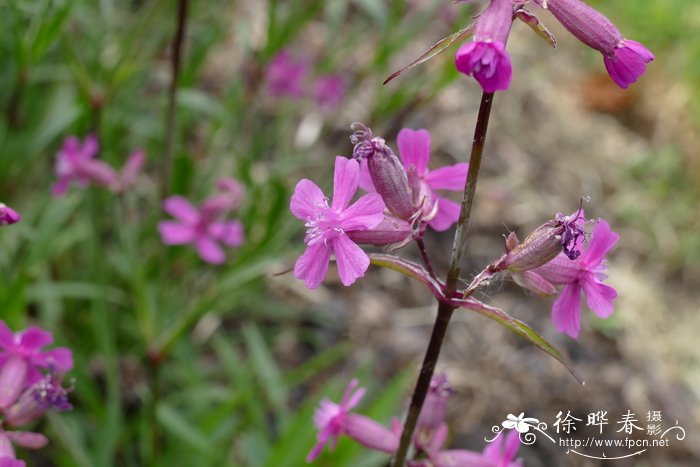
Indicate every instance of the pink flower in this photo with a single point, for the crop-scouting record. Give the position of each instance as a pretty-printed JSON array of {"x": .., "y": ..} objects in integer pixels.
[
  {"x": 22, "y": 357},
  {"x": 329, "y": 91},
  {"x": 202, "y": 228},
  {"x": 414, "y": 152},
  {"x": 333, "y": 419},
  {"x": 485, "y": 57},
  {"x": 585, "y": 274},
  {"x": 499, "y": 453},
  {"x": 47, "y": 393},
  {"x": 327, "y": 226},
  {"x": 624, "y": 59},
  {"x": 76, "y": 163},
  {"x": 285, "y": 75},
  {"x": 132, "y": 169},
  {"x": 8, "y": 215},
  {"x": 24, "y": 439},
  {"x": 628, "y": 62}
]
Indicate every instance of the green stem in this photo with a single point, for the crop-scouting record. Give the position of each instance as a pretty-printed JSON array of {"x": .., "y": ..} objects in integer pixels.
[
  {"x": 177, "y": 47},
  {"x": 444, "y": 311}
]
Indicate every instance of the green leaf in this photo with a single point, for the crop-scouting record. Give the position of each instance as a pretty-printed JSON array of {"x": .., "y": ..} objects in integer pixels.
[
  {"x": 407, "y": 268},
  {"x": 518, "y": 327},
  {"x": 183, "y": 429},
  {"x": 436, "y": 49}
]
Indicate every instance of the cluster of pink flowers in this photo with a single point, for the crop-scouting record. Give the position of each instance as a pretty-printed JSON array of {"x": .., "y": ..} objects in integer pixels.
[
  {"x": 333, "y": 420},
  {"x": 402, "y": 200},
  {"x": 77, "y": 163},
  {"x": 30, "y": 384},
  {"x": 486, "y": 59},
  {"x": 206, "y": 228},
  {"x": 288, "y": 76}
]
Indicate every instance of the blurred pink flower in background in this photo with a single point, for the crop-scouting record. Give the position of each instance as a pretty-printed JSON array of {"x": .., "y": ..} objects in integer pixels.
[
  {"x": 8, "y": 215},
  {"x": 76, "y": 163},
  {"x": 22, "y": 358},
  {"x": 499, "y": 453},
  {"x": 24, "y": 439},
  {"x": 333, "y": 419},
  {"x": 327, "y": 226},
  {"x": 204, "y": 227},
  {"x": 329, "y": 91},
  {"x": 285, "y": 75}
]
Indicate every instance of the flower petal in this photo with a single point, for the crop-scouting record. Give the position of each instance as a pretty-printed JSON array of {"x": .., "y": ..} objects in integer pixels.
[
  {"x": 181, "y": 209},
  {"x": 175, "y": 233},
  {"x": 60, "y": 187},
  {"x": 414, "y": 148},
  {"x": 34, "y": 338},
  {"x": 312, "y": 266},
  {"x": 448, "y": 214},
  {"x": 346, "y": 178},
  {"x": 450, "y": 177},
  {"x": 351, "y": 259},
  {"x": 365, "y": 213},
  {"x": 7, "y": 337},
  {"x": 599, "y": 297},
  {"x": 60, "y": 359},
  {"x": 602, "y": 241},
  {"x": 229, "y": 233},
  {"x": 307, "y": 200},
  {"x": 209, "y": 250},
  {"x": 566, "y": 311}
]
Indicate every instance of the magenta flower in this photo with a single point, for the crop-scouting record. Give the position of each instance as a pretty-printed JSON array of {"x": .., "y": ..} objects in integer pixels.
[
  {"x": 132, "y": 168},
  {"x": 328, "y": 226},
  {"x": 485, "y": 58},
  {"x": 21, "y": 358},
  {"x": 414, "y": 152},
  {"x": 285, "y": 75},
  {"x": 329, "y": 91},
  {"x": 8, "y": 215},
  {"x": 201, "y": 228},
  {"x": 21, "y": 438},
  {"x": 628, "y": 62},
  {"x": 624, "y": 59},
  {"x": 47, "y": 393},
  {"x": 585, "y": 274},
  {"x": 76, "y": 163},
  {"x": 333, "y": 419},
  {"x": 499, "y": 453}
]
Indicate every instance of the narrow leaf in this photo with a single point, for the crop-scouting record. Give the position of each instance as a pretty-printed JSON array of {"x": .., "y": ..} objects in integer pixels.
[
  {"x": 437, "y": 48},
  {"x": 536, "y": 25},
  {"x": 409, "y": 269},
  {"x": 517, "y": 327}
]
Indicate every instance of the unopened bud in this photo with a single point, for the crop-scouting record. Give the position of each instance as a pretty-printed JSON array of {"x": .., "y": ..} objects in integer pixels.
[
  {"x": 391, "y": 231},
  {"x": 387, "y": 172},
  {"x": 546, "y": 242}
]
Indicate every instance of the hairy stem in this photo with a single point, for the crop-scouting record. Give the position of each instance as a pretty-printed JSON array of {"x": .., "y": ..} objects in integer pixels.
[
  {"x": 177, "y": 46},
  {"x": 444, "y": 312}
]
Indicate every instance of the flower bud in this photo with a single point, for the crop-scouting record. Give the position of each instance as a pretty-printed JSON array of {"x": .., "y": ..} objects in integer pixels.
[
  {"x": 8, "y": 215},
  {"x": 435, "y": 406},
  {"x": 546, "y": 242},
  {"x": 387, "y": 172},
  {"x": 391, "y": 231},
  {"x": 37, "y": 399}
]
